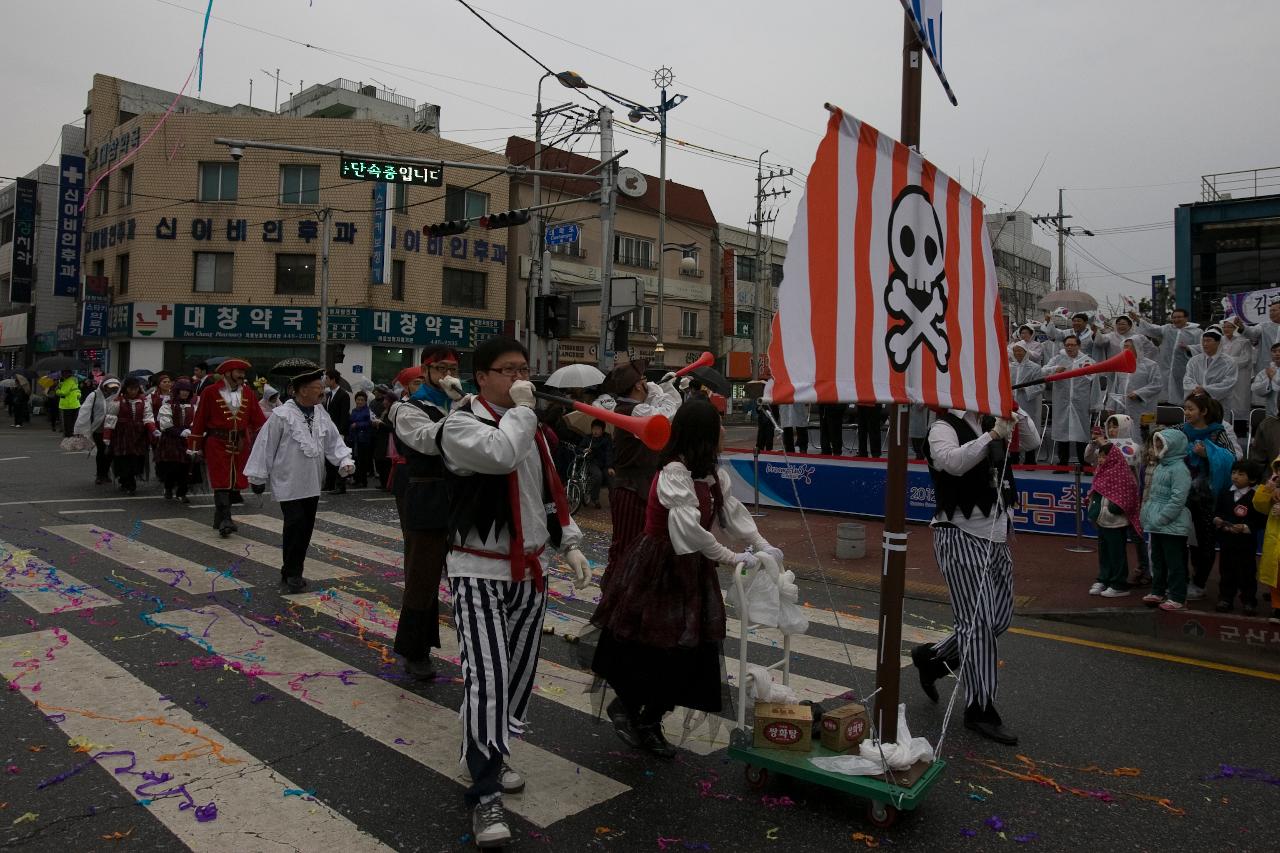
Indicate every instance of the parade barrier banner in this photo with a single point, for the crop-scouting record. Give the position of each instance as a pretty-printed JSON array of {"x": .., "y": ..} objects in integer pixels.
[
  {"x": 1252, "y": 307},
  {"x": 1046, "y": 496}
]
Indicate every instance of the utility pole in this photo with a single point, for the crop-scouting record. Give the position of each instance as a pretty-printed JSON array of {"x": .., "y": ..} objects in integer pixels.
[
  {"x": 607, "y": 201},
  {"x": 763, "y": 280},
  {"x": 1058, "y": 221}
]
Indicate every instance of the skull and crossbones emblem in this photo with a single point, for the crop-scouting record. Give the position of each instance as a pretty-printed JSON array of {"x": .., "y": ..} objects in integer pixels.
[{"x": 917, "y": 291}]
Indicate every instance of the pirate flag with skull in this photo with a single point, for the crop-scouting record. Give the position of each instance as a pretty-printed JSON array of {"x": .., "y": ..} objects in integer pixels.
[{"x": 917, "y": 291}]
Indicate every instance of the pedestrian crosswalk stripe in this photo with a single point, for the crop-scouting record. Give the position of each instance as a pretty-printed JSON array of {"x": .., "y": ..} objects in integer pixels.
[
  {"x": 424, "y": 731},
  {"x": 557, "y": 683},
  {"x": 174, "y": 571},
  {"x": 554, "y": 682},
  {"x": 591, "y": 595},
  {"x": 95, "y": 701},
  {"x": 328, "y": 541},
  {"x": 44, "y": 588},
  {"x": 386, "y": 531},
  {"x": 251, "y": 549}
]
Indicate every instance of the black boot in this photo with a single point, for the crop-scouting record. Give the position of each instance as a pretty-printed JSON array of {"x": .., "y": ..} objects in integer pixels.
[
  {"x": 653, "y": 740},
  {"x": 931, "y": 669},
  {"x": 985, "y": 720},
  {"x": 624, "y": 723},
  {"x": 222, "y": 513}
]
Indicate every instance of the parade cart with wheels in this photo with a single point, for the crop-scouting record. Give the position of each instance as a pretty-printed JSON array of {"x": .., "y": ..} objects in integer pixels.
[{"x": 887, "y": 794}]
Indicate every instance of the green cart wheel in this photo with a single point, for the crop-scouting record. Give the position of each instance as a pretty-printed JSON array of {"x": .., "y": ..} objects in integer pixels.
[
  {"x": 757, "y": 777},
  {"x": 881, "y": 815}
]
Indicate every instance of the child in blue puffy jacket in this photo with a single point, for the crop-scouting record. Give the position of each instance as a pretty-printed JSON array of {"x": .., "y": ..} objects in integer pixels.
[{"x": 1166, "y": 517}]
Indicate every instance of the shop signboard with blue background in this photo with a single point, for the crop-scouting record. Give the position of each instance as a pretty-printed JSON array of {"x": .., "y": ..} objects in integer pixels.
[
  {"x": 165, "y": 321},
  {"x": 1047, "y": 498}
]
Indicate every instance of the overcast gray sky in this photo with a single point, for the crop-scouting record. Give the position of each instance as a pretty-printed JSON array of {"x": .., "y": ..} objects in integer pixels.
[{"x": 1131, "y": 101}]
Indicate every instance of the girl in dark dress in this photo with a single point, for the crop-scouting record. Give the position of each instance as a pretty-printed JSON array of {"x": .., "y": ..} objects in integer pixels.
[
  {"x": 128, "y": 431},
  {"x": 661, "y": 614},
  {"x": 173, "y": 465}
]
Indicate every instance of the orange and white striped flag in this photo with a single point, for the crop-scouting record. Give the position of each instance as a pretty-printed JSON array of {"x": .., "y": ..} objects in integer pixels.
[{"x": 889, "y": 289}]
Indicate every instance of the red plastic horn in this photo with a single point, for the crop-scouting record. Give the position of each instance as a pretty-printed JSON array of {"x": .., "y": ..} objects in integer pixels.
[
  {"x": 653, "y": 430},
  {"x": 705, "y": 360},
  {"x": 1125, "y": 362}
]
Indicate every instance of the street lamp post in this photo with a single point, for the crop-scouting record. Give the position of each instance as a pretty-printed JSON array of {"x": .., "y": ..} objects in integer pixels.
[{"x": 570, "y": 80}]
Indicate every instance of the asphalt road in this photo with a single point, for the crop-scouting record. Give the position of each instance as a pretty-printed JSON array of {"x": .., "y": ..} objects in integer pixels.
[{"x": 291, "y": 718}]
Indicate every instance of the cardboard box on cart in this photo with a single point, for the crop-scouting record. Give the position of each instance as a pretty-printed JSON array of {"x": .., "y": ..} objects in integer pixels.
[
  {"x": 781, "y": 726},
  {"x": 845, "y": 728}
]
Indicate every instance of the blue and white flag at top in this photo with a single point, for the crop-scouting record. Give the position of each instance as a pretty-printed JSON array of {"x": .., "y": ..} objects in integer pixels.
[{"x": 927, "y": 16}]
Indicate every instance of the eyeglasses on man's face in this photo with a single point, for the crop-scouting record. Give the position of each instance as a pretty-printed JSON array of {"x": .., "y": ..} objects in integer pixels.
[
  {"x": 451, "y": 369},
  {"x": 512, "y": 371}
]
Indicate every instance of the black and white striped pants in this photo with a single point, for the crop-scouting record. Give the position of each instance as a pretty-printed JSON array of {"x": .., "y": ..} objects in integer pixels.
[
  {"x": 499, "y": 626},
  {"x": 981, "y": 615}
]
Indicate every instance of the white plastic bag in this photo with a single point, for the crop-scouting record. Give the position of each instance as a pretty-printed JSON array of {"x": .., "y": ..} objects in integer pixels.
[
  {"x": 772, "y": 598},
  {"x": 869, "y": 762},
  {"x": 763, "y": 688}
]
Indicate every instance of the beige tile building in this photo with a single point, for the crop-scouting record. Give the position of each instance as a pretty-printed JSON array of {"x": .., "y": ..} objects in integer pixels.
[
  {"x": 685, "y": 330},
  {"x": 200, "y": 254}
]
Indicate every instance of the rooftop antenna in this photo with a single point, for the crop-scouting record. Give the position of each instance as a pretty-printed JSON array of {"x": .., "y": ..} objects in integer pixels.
[{"x": 275, "y": 77}]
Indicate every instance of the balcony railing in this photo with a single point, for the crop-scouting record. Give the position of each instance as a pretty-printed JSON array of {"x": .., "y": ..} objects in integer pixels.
[
  {"x": 1245, "y": 183},
  {"x": 634, "y": 261}
]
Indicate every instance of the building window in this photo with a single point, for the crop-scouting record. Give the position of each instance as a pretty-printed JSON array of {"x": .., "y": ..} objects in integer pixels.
[
  {"x": 219, "y": 181},
  {"x": 397, "y": 279},
  {"x": 777, "y": 274},
  {"x": 688, "y": 324},
  {"x": 464, "y": 288},
  {"x": 126, "y": 186},
  {"x": 462, "y": 203},
  {"x": 633, "y": 251},
  {"x": 642, "y": 319},
  {"x": 581, "y": 313},
  {"x": 6, "y": 229},
  {"x": 744, "y": 324},
  {"x": 299, "y": 185},
  {"x": 104, "y": 196},
  {"x": 296, "y": 275},
  {"x": 696, "y": 268},
  {"x": 746, "y": 268},
  {"x": 213, "y": 272},
  {"x": 122, "y": 273},
  {"x": 402, "y": 198},
  {"x": 99, "y": 268}
]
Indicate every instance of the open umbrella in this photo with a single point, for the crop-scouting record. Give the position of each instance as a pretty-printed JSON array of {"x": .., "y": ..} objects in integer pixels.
[
  {"x": 59, "y": 362},
  {"x": 711, "y": 378},
  {"x": 576, "y": 376},
  {"x": 1072, "y": 300},
  {"x": 141, "y": 373}
]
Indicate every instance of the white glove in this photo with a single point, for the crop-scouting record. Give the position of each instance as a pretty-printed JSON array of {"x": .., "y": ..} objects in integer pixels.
[
  {"x": 684, "y": 383},
  {"x": 346, "y": 470},
  {"x": 522, "y": 393},
  {"x": 746, "y": 558},
  {"x": 186, "y": 433},
  {"x": 452, "y": 386},
  {"x": 774, "y": 552},
  {"x": 669, "y": 376},
  {"x": 577, "y": 562},
  {"x": 1003, "y": 429},
  {"x": 605, "y": 401}
]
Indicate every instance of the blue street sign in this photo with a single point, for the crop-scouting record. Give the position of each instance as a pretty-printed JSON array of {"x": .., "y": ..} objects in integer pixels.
[{"x": 559, "y": 235}]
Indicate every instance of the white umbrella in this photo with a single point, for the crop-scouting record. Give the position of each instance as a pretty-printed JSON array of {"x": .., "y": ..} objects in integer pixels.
[
  {"x": 1075, "y": 301},
  {"x": 576, "y": 376}
]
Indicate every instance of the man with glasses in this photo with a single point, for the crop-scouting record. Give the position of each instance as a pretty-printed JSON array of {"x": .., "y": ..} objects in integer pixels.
[
  {"x": 506, "y": 506},
  {"x": 423, "y": 502}
]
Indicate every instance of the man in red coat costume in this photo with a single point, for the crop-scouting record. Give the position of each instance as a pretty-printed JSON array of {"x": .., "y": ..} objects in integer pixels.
[{"x": 227, "y": 419}]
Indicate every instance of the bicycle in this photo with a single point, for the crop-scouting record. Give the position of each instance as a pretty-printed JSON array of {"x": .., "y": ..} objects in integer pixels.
[{"x": 575, "y": 487}]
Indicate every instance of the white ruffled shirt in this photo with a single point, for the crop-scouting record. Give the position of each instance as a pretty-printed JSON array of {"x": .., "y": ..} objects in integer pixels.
[
  {"x": 677, "y": 495},
  {"x": 290, "y": 456}
]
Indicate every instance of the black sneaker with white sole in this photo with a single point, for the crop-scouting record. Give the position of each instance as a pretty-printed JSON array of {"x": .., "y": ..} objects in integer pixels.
[{"x": 489, "y": 824}]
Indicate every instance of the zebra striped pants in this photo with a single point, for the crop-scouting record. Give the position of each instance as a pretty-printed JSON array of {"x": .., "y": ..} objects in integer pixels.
[
  {"x": 981, "y": 615},
  {"x": 499, "y": 626}
]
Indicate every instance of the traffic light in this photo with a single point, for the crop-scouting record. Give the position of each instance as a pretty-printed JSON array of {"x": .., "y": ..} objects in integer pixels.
[
  {"x": 444, "y": 229},
  {"x": 505, "y": 220},
  {"x": 551, "y": 316}
]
